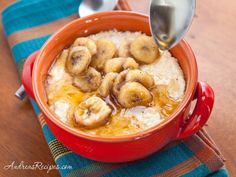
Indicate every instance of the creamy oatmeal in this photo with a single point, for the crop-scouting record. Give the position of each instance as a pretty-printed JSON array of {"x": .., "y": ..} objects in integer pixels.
[{"x": 114, "y": 83}]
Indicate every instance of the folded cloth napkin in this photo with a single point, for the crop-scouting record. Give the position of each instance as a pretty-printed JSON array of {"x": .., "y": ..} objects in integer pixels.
[{"x": 27, "y": 25}]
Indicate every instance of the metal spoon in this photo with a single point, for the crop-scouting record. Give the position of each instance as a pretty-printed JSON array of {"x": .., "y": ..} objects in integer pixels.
[
  {"x": 87, "y": 7},
  {"x": 170, "y": 20}
]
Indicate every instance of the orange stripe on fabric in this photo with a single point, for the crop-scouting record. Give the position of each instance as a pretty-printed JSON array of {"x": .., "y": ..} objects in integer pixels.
[
  {"x": 42, "y": 30},
  {"x": 181, "y": 168},
  {"x": 208, "y": 140},
  {"x": 41, "y": 119},
  {"x": 210, "y": 158},
  {"x": 204, "y": 152}
]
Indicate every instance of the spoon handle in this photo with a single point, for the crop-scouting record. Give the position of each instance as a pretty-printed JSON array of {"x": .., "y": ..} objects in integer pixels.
[{"x": 20, "y": 93}]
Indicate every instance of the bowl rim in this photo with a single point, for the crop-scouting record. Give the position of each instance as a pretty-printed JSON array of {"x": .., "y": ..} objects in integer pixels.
[{"x": 188, "y": 95}]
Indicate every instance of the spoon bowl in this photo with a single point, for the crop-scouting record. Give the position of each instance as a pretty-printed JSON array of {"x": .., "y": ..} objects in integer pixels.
[
  {"x": 88, "y": 7},
  {"x": 170, "y": 20}
]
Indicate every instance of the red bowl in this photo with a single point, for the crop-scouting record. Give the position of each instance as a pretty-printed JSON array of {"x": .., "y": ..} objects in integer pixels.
[{"x": 129, "y": 147}]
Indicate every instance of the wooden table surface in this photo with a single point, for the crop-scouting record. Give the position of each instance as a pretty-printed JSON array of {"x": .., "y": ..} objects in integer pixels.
[{"x": 212, "y": 39}]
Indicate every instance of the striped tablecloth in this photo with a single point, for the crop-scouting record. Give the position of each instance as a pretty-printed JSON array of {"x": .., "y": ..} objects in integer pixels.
[{"x": 27, "y": 25}]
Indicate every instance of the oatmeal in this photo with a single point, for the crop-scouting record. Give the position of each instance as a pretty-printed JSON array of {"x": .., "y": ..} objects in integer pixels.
[{"x": 114, "y": 83}]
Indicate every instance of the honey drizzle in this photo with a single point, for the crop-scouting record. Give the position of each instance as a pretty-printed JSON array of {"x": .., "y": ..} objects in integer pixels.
[{"x": 120, "y": 125}]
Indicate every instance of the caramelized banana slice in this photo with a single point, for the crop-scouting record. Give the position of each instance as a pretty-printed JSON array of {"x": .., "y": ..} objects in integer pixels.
[
  {"x": 142, "y": 77},
  {"x": 119, "y": 81},
  {"x": 78, "y": 60},
  {"x": 114, "y": 65},
  {"x": 107, "y": 84},
  {"x": 119, "y": 64},
  {"x": 144, "y": 49},
  {"x": 130, "y": 63},
  {"x": 86, "y": 42},
  {"x": 92, "y": 113},
  {"x": 134, "y": 94},
  {"x": 105, "y": 50},
  {"x": 89, "y": 81}
]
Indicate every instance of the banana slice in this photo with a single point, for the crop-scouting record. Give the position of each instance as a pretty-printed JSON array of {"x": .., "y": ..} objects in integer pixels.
[
  {"x": 144, "y": 49},
  {"x": 92, "y": 113},
  {"x": 113, "y": 65},
  {"x": 134, "y": 94},
  {"x": 130, "y": 63},
  {"x": 119, "y": 81},
  {"x": 78, "y": 60},
  {"x": 124, "y": 49},
  {"x": 119, "y": 64},
  {"x": 142, "y": 77},
  {"x": 86, "y": 42},
  {"x": 107, "y": 84},
  {"x": 105, "y": 50},
  {"x": 89, "y": 81}
]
